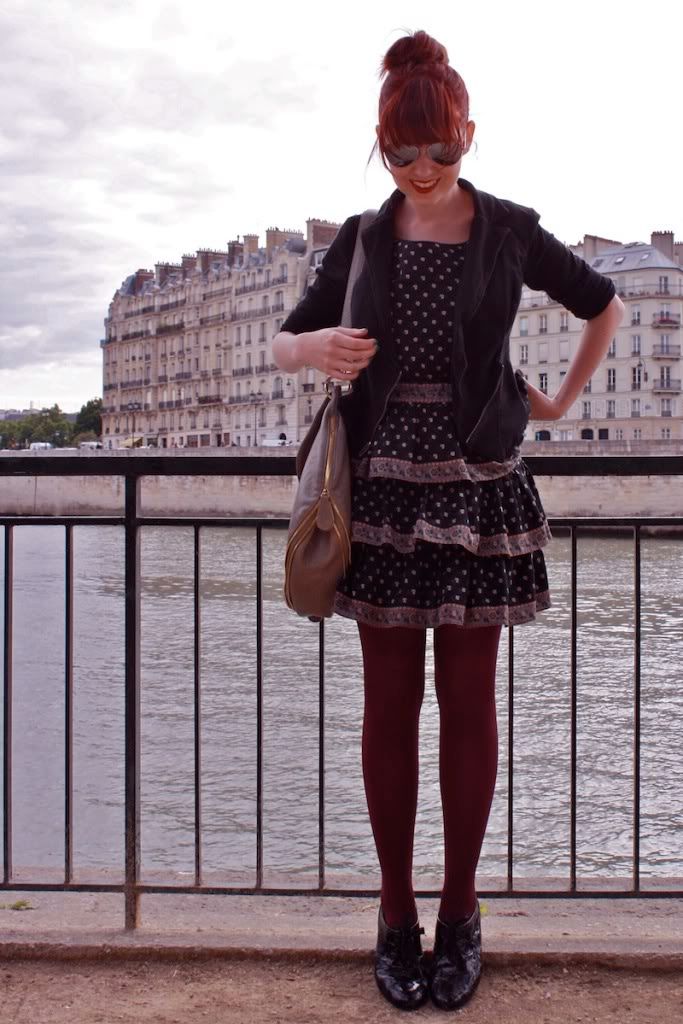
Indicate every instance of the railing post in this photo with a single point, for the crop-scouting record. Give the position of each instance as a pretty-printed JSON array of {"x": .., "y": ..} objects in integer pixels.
[
  {"x": 132, "y": 702},
  {"x": 7, "y": 713}
]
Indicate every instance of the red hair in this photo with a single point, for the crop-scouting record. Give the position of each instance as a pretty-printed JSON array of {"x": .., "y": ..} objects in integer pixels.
[{"x": 423, "y": 99}]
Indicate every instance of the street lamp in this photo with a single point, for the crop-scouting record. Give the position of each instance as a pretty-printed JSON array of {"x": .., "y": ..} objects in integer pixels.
[
  {"x": 256, "y": 397},
  {"x": 134, "y": 407}
]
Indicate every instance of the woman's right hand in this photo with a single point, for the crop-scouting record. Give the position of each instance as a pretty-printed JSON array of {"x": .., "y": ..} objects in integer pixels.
[{"x": 339, "y": 352}]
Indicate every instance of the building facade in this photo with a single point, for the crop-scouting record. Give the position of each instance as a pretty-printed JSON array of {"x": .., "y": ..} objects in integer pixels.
[
  {"x": 187, "y": 358},
  {"x": 635, "y": 393}
]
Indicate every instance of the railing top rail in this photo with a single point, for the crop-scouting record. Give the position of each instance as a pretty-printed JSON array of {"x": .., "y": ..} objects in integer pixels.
[{"x": 191, "y": 463}]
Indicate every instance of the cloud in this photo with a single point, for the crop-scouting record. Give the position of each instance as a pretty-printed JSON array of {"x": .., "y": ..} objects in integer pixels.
[{"x": 116, "y": 131}]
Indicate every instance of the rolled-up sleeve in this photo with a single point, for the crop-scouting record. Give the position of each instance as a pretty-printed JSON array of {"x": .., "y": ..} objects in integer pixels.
[
  {"x": 323, "y": 303},
  {"x": 553, "y": 268}
]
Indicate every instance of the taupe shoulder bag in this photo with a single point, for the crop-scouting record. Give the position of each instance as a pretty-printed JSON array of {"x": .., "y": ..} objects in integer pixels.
[{"x": 319, "y": 540}]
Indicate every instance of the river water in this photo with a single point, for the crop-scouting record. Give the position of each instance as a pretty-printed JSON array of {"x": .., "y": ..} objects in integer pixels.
[{"x": 290, "y": 750}]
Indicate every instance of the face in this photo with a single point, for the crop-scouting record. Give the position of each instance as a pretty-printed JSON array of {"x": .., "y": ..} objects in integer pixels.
[{"x": 426, "y": 180}]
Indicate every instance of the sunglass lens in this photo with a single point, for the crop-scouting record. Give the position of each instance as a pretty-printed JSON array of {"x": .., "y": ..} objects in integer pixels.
[
  {"x": 445, "y": 153},
  {"x": 401, "y": 156}
]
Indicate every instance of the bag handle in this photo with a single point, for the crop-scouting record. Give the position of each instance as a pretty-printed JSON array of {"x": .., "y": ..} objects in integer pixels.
[{"x": 356, "y": 266}]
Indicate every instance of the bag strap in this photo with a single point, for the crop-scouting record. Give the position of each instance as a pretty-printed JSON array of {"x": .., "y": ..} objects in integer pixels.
[{"x": 356, "y": 266}]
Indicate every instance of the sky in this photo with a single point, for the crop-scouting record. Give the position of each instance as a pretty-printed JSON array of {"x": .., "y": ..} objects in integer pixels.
[{"x": 134, "y": 132}]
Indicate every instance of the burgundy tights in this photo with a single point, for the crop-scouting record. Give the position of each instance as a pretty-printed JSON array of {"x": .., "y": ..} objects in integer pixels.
[{"x": 394, "y": 672}]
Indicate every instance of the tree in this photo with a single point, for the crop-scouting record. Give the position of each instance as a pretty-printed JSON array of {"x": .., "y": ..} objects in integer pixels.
[{"x": 89, "y": 419}]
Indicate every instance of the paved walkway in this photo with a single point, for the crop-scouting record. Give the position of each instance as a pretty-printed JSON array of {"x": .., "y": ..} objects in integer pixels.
[{"x": 65, "y": 959}]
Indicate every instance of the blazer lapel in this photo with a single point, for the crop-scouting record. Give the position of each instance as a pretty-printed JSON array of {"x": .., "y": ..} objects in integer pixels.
[{"x": 486, "y": 238}]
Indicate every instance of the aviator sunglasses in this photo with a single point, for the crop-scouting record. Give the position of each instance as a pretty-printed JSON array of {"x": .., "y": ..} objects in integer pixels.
[{"x": 440, "y": 152}]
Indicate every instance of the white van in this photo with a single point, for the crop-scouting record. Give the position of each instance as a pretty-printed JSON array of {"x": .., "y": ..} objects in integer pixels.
[
  {"x": 40, "y": 446},
  {"x": 90, "y": 444}
]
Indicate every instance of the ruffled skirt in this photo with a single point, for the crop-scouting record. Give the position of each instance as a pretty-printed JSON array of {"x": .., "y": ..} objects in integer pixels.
[{"x": 435, "y": 539}]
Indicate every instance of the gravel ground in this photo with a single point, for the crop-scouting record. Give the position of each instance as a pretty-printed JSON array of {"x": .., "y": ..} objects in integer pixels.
[{"x": 274, "y": 990}]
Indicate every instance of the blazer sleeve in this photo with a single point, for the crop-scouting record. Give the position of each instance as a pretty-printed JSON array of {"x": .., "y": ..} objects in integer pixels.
[
  {"x": 322, "y": 304},
  {"x": 567, "y": 278}
]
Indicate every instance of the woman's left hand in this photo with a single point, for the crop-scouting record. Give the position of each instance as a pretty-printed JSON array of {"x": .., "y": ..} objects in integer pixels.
[{"x": 542, "y": 407}]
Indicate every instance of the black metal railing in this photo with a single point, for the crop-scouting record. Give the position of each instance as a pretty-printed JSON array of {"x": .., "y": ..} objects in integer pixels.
[{"x": 132, "y": 468}]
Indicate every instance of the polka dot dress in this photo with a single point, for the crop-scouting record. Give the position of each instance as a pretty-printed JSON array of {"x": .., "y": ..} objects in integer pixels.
[{"x": 436, "y": 539}]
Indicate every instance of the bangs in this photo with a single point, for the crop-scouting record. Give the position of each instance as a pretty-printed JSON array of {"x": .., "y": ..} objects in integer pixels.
[{"x": 420, "y": 113}]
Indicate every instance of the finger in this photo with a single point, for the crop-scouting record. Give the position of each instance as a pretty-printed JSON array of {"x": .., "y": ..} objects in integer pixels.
[{"x": 360, "y": 346}]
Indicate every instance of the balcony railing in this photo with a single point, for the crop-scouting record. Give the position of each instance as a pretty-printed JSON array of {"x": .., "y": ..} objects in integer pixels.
[
  {"x": 666, "y": 385},
  {"x": 666, "y": 351},
  {"x": 209, "y": 399},
  {"x": 663, "y": 319},
  {"x": 628, "y": 729},
  {"x": 272, "y": 283},
  {"x": 171, "y": 328}
]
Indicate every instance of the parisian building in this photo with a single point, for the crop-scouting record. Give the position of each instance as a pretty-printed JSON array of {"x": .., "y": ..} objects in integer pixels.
[
  {"x": 187, "y": 358},
  {"x": 635, "y": 393}
]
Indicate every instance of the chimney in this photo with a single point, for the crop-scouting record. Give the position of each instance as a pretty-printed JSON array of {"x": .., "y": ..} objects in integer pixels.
[
  {"x": 141, "y": 278},
  {"x": 161, "y": 271},
  {"x": 250, "y": 244},
  {"x": 275, "y": 237},
  {"x": 189, "y": 265},
  {"x": 320, "y": 233},
  {"x": 235, "y": 252},
  {"x": 663, "y": 241}
]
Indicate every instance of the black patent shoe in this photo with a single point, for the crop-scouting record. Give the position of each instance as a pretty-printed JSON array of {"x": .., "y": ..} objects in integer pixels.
[
  {"x": 456, "y": 961},
  {"x": 399, "y": 971}
]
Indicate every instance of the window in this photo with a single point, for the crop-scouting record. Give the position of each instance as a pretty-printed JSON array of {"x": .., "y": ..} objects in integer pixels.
[
  {"x": 247, "y": 340},
  {"x": 564, "y": 322},
  {"x": 666, "y": 407},
  {"x": 663, "y": 287},
  {"x": 238, "y": 340},
  {"x": 564, "y": 351},
  {"x": 666, "y": 433},
  {"x": 586, "y": 410},
  {"x": 664, "y": 343},
  {"x": 262, "y": 332},
  {"x": 635, "y": 407},
  {"x": 612, "y": 379},
  {"x": 543, "y": 351},
  {"x": 635, "y": 378},
  {"x": 524, "y": 353},
  {"x": 612, "y": 350},
  {"x": 635, "y": 314},
  {"x": 543, "y": 323},
  {"x": 523, "y": 326},
  {"x": 563, "y": 374},
  {"x": 611, "y": 408},
  {"x": 619, "y": 434},
  {"x": 635, "y": 344},
  {"x": 283, "y": 271},
  {"x": 637, "y": 434},
  {"x": 543, "y": 382},
  {"x": 588, "y": 387}
]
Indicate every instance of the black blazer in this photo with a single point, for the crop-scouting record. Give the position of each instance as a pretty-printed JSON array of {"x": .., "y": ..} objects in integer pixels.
[{"x": 507, "y": 247}]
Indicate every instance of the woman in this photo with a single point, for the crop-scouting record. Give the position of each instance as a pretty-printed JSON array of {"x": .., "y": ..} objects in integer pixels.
[{"x": 447, "y": 524}]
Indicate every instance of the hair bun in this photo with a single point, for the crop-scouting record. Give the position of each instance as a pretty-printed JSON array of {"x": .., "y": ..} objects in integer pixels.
[{"x": 411, "y": 52}]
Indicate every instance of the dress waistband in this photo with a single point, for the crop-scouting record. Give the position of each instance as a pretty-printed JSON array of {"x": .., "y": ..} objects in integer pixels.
[{"x": 430, "y": 392}]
